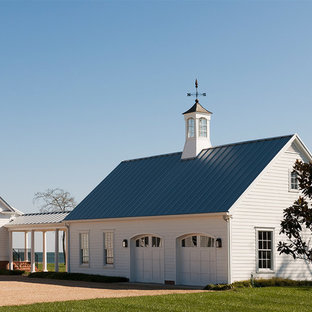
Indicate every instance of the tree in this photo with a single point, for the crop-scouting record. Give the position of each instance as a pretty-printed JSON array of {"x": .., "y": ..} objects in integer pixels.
[
  {"x": 53, "y": 200},
  {"x": 297, "y": 221}
]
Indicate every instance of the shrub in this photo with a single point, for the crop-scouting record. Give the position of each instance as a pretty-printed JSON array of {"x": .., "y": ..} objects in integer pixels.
[
  {"x": 280, "y": 282},
  {"x": 79, "y": 277},
  {"x": 9, "y": 272},
  {"x": 272, "y": 282},
  {"x": 242, "y": 284},
  {"x": 218, "y": 287}
]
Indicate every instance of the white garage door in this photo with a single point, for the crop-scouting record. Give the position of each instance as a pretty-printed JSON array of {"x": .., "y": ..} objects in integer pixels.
[
  {"x": 148, "y": 259},
  {"x": 196, "y": 260}
]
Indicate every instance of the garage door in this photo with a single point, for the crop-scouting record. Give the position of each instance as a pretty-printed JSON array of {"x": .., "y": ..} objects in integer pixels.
[
  {"x": 196, "y": 260},
  {"x": 148, "y": 259}
]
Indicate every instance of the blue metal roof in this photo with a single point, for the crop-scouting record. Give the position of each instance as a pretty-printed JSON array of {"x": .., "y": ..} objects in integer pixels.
[{"x": 167, "y": 185}]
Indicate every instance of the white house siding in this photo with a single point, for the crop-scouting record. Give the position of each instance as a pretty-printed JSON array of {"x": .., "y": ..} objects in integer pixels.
[
  {"x": 168, "y": 228},
  {"x": 262, "y": 206},
  {"x": 4, "y": 239}
]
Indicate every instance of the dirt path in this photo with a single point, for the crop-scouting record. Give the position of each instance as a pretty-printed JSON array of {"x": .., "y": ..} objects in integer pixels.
[{"x": 32, "y": 290}]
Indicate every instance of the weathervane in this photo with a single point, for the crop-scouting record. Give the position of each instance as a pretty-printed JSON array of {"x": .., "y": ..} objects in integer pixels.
[{"x": 196, "y": 94}]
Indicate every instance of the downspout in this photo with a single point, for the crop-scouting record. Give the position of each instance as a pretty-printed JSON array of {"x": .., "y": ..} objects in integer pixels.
[
  {"x": 68, "y": 247},
  {"x": 227, "y": 219}
]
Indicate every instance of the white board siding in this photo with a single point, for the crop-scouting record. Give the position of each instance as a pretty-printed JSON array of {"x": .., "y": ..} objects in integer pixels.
[
  {"x": 168, "y": 228},
  {"x": 262, "y": 206},
  {"x": 4, "y": 239}
]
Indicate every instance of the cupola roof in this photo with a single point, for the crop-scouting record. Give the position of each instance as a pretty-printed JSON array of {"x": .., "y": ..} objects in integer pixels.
[{"x": 197, "y": 108}]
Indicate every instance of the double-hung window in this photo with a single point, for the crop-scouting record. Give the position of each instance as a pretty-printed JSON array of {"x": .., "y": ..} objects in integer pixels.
[
  {"x": 84, "y": 248},
  {"x": 265, "y": 249},
  {"x": 293, "y": 183},
  {"x": 108, "y": 248}
]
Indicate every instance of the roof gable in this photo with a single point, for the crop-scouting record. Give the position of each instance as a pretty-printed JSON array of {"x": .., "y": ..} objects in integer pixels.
[{"x": 167, "y": 185}]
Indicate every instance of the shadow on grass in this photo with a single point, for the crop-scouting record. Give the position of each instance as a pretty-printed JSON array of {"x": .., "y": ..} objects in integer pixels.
[{"x": 95, "y": 285}]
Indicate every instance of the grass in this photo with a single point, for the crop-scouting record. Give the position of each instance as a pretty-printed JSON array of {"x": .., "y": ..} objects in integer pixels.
[
  {"x": 62, "y": 267},
  {"x": 79, "y": 277},
  {"x": 270, "y": 299}
]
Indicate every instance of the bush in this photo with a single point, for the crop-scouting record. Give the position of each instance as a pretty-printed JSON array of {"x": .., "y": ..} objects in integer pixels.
[
  {"x": 218, "y": 287},
  {"x": 9, "y": 272},
  {"x": 280, "y": 282},
  {"x": 79, "y": 277},
  {"x": 242, "y": 284},
  {"x": 272, "y": 282}
]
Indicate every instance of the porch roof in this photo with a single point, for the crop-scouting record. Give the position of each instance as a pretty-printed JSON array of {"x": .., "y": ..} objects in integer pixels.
[{"x": 43, "y": 218}]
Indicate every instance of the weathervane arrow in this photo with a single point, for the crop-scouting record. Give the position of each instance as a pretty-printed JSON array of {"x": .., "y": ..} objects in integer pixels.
[{"x": 196, "y": 94}]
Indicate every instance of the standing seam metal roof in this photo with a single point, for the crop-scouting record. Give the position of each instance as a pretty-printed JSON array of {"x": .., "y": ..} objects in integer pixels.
[
  {"x": 167, "y": 185},
  {"x": 40, "y": 218}
]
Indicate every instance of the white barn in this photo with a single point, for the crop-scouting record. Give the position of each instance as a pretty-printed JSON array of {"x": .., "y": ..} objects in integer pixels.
[
  {"x": 206, "y": 215},
  {"x": 209, "y": 214}
]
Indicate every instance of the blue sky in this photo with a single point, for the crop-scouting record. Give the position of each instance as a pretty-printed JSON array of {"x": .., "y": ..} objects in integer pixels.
[{"x": 85, "y": 85}]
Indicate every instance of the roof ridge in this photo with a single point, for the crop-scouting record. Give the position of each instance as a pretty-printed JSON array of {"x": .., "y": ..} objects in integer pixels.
[
  {"x": 249, "y": 141},
  {"x": 155, "y": 156},
  {"x": 44, "y": 213},
  {"x": 217, "y": 146}
]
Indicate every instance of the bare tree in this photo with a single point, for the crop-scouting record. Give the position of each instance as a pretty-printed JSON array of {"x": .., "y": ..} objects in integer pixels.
[{"x": 53, "y": 200}]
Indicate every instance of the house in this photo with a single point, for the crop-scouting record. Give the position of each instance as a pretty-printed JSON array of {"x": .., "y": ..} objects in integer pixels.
[
  {"x": 7, "y": 212},
  {"x": 209, "y": 214}
]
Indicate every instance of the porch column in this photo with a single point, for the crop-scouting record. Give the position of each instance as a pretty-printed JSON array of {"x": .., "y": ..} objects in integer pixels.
[
  {"x": 26, "y": 246},
  {"x": 10, "y": 250},
  {"x": 66, "y": 250},
  {"x": 56, "y": 252},
  {"x": 44, "y": 252},
  {"x": 32, "y": 256}
]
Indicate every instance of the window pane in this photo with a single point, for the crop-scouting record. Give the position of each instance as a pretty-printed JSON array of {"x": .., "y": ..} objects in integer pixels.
[
  {"x": 155, "y": 241},
  {"x": 84, "y": 248},
  {"x": 294, "y": 181},
  {"x": 203, "y": 127},
  {"x": 190, "y": 128},
  {"x": 190, "y": 241},
  {"x": 265, "y": 249},
  {"x": 194, "y": 240},
  {"x": 206, "y": 241},
  {"x": 109, "y": 247}
]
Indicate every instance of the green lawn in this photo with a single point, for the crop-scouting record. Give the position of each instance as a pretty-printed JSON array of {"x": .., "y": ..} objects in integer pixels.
[
  {"x": 283, "y": 299},
  {"x": 62, "y": 267}
]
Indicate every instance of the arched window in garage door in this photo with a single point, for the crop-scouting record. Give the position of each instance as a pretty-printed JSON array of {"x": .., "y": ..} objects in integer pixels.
[
  {"x": 198, "y": 241},
  {"x": 148, "y": 241}
]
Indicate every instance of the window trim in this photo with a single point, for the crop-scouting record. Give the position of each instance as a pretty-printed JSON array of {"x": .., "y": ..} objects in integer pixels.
[
  {"x": 266, "y": 229},
  {"x": 81, "y": 264},
  {"x": 108, "y": 265},
  {"x": 290, "y": 171}
]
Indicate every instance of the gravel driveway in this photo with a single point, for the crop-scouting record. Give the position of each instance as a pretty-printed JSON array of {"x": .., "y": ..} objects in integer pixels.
[{"x": 32, "y": 290}]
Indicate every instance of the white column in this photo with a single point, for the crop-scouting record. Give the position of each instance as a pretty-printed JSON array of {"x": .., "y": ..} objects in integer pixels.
[
  {"x": 10, "y": 250},
  {"x": 56, "y": 252},
  {"x": 26, "y": 246},
  {"x": 66, "y": 250},
  {"x": 44, "y": 252},
  {"x": 32, "y": 257}
]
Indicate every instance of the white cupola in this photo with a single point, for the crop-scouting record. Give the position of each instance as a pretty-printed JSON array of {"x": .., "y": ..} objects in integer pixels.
[{"x": 197, "y": 130}]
